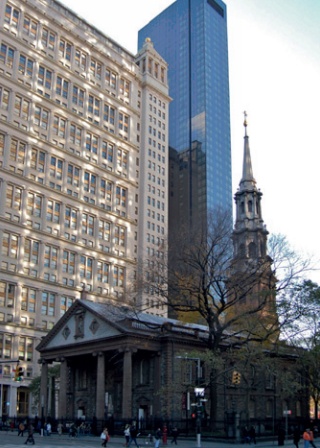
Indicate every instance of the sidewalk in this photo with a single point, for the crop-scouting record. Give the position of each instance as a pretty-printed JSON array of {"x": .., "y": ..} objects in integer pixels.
[{"x": 10, "y": 439}]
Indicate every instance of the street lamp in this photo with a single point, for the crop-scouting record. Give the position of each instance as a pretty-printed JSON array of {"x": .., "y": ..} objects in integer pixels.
[{"x": 199, "y": 393}]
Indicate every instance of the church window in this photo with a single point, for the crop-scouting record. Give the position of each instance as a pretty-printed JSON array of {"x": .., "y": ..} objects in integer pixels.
[
  {"x": 250, "y": 206},
  {"x": 252, "y": 250}
]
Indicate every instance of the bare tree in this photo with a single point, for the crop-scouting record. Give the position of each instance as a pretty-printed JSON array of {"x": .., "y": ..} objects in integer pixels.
[{"x": 241, "y": 300}]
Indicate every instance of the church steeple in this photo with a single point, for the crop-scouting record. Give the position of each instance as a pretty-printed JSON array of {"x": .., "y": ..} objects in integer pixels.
[{"x": 250, "y": 233}]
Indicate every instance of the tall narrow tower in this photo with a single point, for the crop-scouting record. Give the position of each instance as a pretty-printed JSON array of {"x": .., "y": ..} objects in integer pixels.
[
  {"x": 250, "y": 233},
  {"x": 252, "y": 276}
]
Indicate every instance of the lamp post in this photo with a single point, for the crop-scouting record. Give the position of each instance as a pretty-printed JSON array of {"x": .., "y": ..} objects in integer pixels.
[{"x": 199, "y": 393}]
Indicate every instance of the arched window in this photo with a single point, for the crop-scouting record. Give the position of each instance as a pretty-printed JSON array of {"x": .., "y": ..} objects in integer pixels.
[
  {"x": 252, "y": 250},
  {"x": 250, "y": 206}
]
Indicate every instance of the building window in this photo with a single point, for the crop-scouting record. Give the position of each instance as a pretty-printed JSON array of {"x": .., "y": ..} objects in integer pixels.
[
  {"x": 92, "y": 143},
  {"x": 48, "y": 39},
  {"x": 47, "y": 304},
  {"x": 34, "y": 204},
  {"x": 94, "y": 105},
  {"x": 2, "y": 142},
  {"x": 50, "y": 257},
  {"x": 4, "y": 98},
  {"x": 65, "y": 304},
  {"x": 59, "y": 126},
  {"x": 41, "y": 117},
  {"x": 53, "y": 211},
  {"x": 90, "y": 182},
  {"x": 73, "y": 176},
  {"x": 70, "y": 218},
  {"x": 86, "y": 267},
  {"x": 103, "y": 272},
  {"x": 75, "y": 134},
  {"x": 104, "y": 230},
  {"x": 62, "y": 87},
  {"x": 118, "y": 276},
  {"x": 30, "y": 27},
  {"x": 45, "y": 77},
  {"x": 7, "y": 291},
  {"x": 122, "y": 159},
  {"x": 9, "y": 245},
  {"x": 5, "y": 346},
  {"x": 31, "y": 251},
  {"x": 121, "y": 196},
  {"x": 25, "y": 349},
  {"x": 68, "y": 262},
  {"x": 17, "y": 151},
  {"x": 13, "y": 197},
  {"x": 107, "y": 151},
  {"x": 80, "y": 59},
  {"x": 124, "y": 87},
  {"x": 95, "y": 69},
  {"x": 65, "y": 49},
  {"x": 120, "y": 235},
  {"x": 11, "y": 16},
  {"x": 110, "y": 79},
  {"x": 78, "y": 96},
  {"x": 123, "y": 122},
  {"x": 6, "y": 55},
  {"x": 87, "y": 224},
  {"x": 21, "y": 107},
  {"x": 38, "y": 159},
  {"x": 28, "y": 300},
  {"x": 105, "y": 191},
  {"x": 108, "y": 114}
]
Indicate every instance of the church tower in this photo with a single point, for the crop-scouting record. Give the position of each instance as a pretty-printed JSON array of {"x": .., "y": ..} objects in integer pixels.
[
  {"x": 252, "y": 276},
  {"x": 250, "y": 233}
]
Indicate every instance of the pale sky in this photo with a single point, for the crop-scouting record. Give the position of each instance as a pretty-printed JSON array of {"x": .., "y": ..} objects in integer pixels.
[{"x": 274, "y": 62}]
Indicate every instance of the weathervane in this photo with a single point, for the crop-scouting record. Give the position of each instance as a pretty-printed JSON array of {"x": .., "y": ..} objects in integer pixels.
[{"x": 245, "y": 123}]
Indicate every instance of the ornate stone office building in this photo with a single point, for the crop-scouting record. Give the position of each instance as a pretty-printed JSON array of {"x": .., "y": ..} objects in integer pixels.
[{"x": 83, "y": 175}]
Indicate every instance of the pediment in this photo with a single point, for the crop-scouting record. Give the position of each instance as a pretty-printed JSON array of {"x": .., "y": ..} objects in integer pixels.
[{"x": 82, "y": 326}]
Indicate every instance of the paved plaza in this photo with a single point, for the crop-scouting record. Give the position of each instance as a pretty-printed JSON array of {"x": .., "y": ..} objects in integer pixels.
[{"x": 11, "y": 440}]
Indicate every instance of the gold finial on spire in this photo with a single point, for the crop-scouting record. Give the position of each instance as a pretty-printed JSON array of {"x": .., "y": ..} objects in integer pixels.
[{"x": 245, "y": 123}]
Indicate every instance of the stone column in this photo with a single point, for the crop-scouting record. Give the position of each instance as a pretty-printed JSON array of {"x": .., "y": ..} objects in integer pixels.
[
  {"x": 62, "y": 410},
  {"x": 157, "y": 385},
  {"x": 44, "y": 390},
  {"x": 127, "y": 384},
  {"x": 100, "y": 398}
]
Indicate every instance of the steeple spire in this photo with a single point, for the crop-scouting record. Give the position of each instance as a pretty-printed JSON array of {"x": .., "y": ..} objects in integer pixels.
[{"x": 247, "y": 181}]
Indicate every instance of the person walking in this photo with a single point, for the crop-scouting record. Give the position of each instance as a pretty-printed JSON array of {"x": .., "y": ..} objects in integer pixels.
[
  {"x": 175, "y": 434},
  {"x": 30, "y": 436},
  {"x": 133, "y": 436},
  {"x": 306, "y": 438},
  {"x": 104, "y": 437},
  {"x": 21, "y": 429},
  {"x": 157, "y": 438},
  {"x": 312, "y": 439},
  {"x": 127, "y": 434},
  {"x": 296, "y": 436}
]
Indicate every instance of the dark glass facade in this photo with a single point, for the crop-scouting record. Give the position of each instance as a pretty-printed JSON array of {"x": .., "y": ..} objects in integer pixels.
[{"x": 191, "y": 35}]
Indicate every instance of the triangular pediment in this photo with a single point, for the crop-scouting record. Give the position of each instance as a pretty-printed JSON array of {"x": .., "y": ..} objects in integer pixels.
[{"x": 81, "y": 325}]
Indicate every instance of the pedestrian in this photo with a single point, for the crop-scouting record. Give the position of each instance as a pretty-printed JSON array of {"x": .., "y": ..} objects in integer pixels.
[
  {"x": 133, "y": 436},
  {"x": 252, "y": 435},
  {"x": 296, "y": 436},
  {"x": 175, "y": 433},
  {"x": 30, "y": 436},
  {"x": 59, "y": 428},
  {"x": 312, "y": 439},
  {"x": 306, "y": 438},
  {"x": 127, "y": 434},
  {"x": 157, "y": 438},
  {"x": 104, "y": 437},
  {"x": 21, "y": 429},
  {"x": 245, "y": 435},
  {"x": 49, "y": 429}
]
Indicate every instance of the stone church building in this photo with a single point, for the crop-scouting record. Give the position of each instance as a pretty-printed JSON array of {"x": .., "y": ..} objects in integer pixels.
[{"x": 129, "y": 365}]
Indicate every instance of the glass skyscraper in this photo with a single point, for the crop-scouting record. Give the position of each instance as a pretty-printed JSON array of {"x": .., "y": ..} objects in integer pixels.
[{"x": 191, "y": 35}]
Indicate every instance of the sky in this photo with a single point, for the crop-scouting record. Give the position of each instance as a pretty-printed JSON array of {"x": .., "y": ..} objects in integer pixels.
[{"x": 274, "y": 72}]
